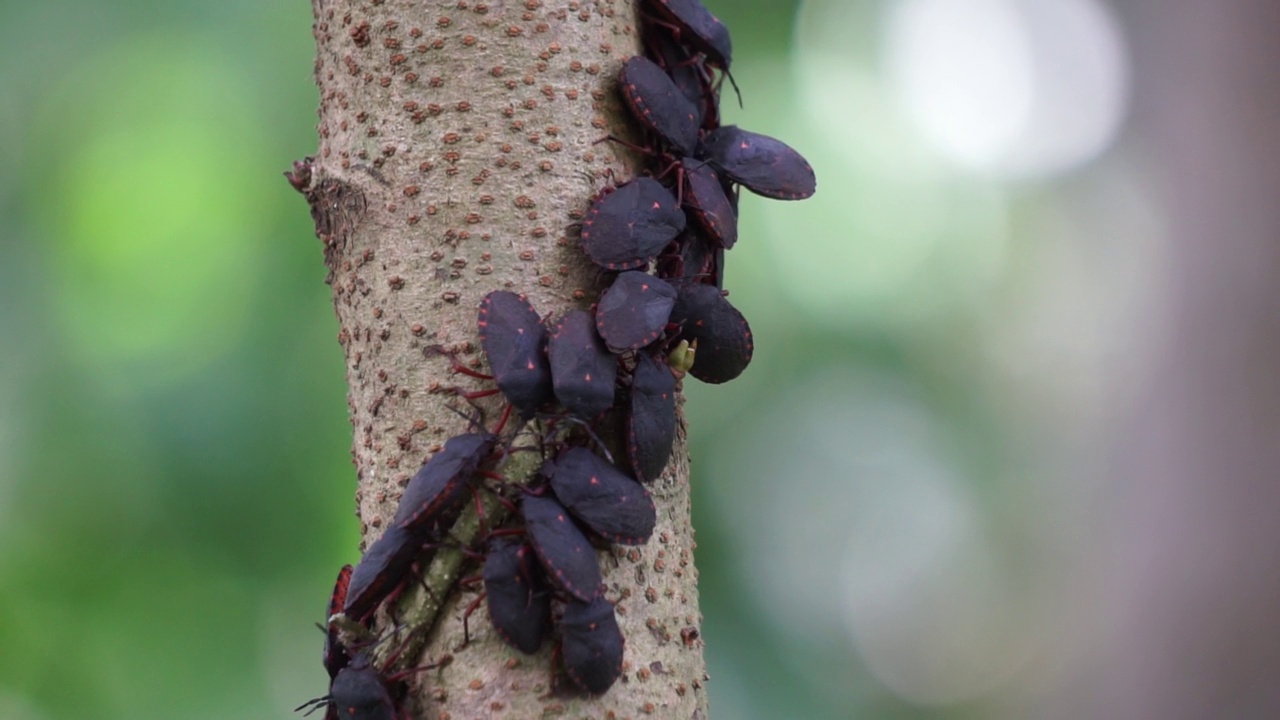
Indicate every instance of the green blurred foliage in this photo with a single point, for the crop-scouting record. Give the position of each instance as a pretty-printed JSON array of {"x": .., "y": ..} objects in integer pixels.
[{"x": 175, "y": 486}]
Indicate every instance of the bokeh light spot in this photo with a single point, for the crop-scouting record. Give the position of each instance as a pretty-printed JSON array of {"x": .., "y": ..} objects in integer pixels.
[
  {"x": 963, "y": 68},
  {"x": 926, "y": 603},
  {"x": 893, "y": 234},
  {"x": 849, "y": 491},
  {"x": 1016, "y": 88},
  {"x": 888, "y": 251}
]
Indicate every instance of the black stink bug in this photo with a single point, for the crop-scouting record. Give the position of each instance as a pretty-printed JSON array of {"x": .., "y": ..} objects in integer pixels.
[
  {"x": 335, "y": 655},
  {"x": 626, "y": 228},
  {"x": 582, "y": 370},
  {"x": 591, "y": 644},
  {"x": 361, "y": 692},
  {"x": 518, "y": 596},
  {"x": 613, "y": 505},
  {"x": 441, "y": 486},
  {"x": 565, "y": 552},
  {"x": 358, "y": 693},
  {"x": 705, "y": 197},
  {"x": 721, "y": 332},
  {"x": 699, "y": 29},
  {"x": 690, "y": 257},
  {"x": 634, "y": 310},
  {"x": 763, "y": 165},
  {"x": 689, "y": 74},
  {"x": 515, "y": 340},
  {"x": 651, "y": 421},
  {"x": 380, "y": 571},
  {"x": 658, "y": 104}
]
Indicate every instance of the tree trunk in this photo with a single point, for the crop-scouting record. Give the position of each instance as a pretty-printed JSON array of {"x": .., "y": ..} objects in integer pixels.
[{"x": 458, "y": 146}]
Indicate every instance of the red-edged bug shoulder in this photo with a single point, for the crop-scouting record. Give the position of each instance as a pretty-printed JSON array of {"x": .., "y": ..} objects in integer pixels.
[
  {"x": 380, "y": 571},
  {"x": 634, "y": 310},
  {"x": 563, "y": 549},
  {"x": 722, "y": 334},
  {"x": 658, "y": 104},
  {"x": 605, "y": 499},
  {"x": 706, "y": 200},
  {"x": 517, "y": 593},
  {"x": 515, "y": 342},
  {"x": 628, "y": 227},
  {"x": 690, "y": 74},
  {"x": 335, "y": 655},
  {"x": 651, "y": 420},
  {"x": 764, "y": 165},
  {"x": 583, "y": 371},
  {"x": 442, "y": 485},
  {"x": 591, "y": 644}
]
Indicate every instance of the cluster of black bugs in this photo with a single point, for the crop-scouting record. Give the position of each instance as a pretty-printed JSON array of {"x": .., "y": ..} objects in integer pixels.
[
  {"x": 357, "y": 689},
  {"x": 618, "y": 364}
]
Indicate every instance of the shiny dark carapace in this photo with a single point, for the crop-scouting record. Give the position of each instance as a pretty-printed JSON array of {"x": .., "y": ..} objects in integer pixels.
[
  {"x": 591, "y": 644},
  {"x": 692, "y": 257},
  {"x": 563, "y": 549},
  {"x": 651, "y": 419},
  {"x": 706, "y": 200},
  {"x": 515, "y": 342},
  {"x": 358, "y": 693},
  {"x": 763, "y": 165},
  {"x": 441, "y": 486},
  {"x": 628, "y": 227},
  {"x": 723, "y": 336},
  {"x": 634, "y": 310},
  {"x": 583, "y": 371},
  {"x": 517, "y": 593},
  {"x": 658, "y": 104},
  {"x": 380, "y": 571},
  {"x": 698, "y": 28},
  {"x": 605, "y": 499}
]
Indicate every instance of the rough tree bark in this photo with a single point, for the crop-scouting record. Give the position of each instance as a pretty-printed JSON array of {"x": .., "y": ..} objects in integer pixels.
[{"x": 457, "y": 149}]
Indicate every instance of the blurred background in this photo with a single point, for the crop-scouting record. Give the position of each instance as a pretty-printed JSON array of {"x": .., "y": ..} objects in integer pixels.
[{"x": 908, "y": 507}]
